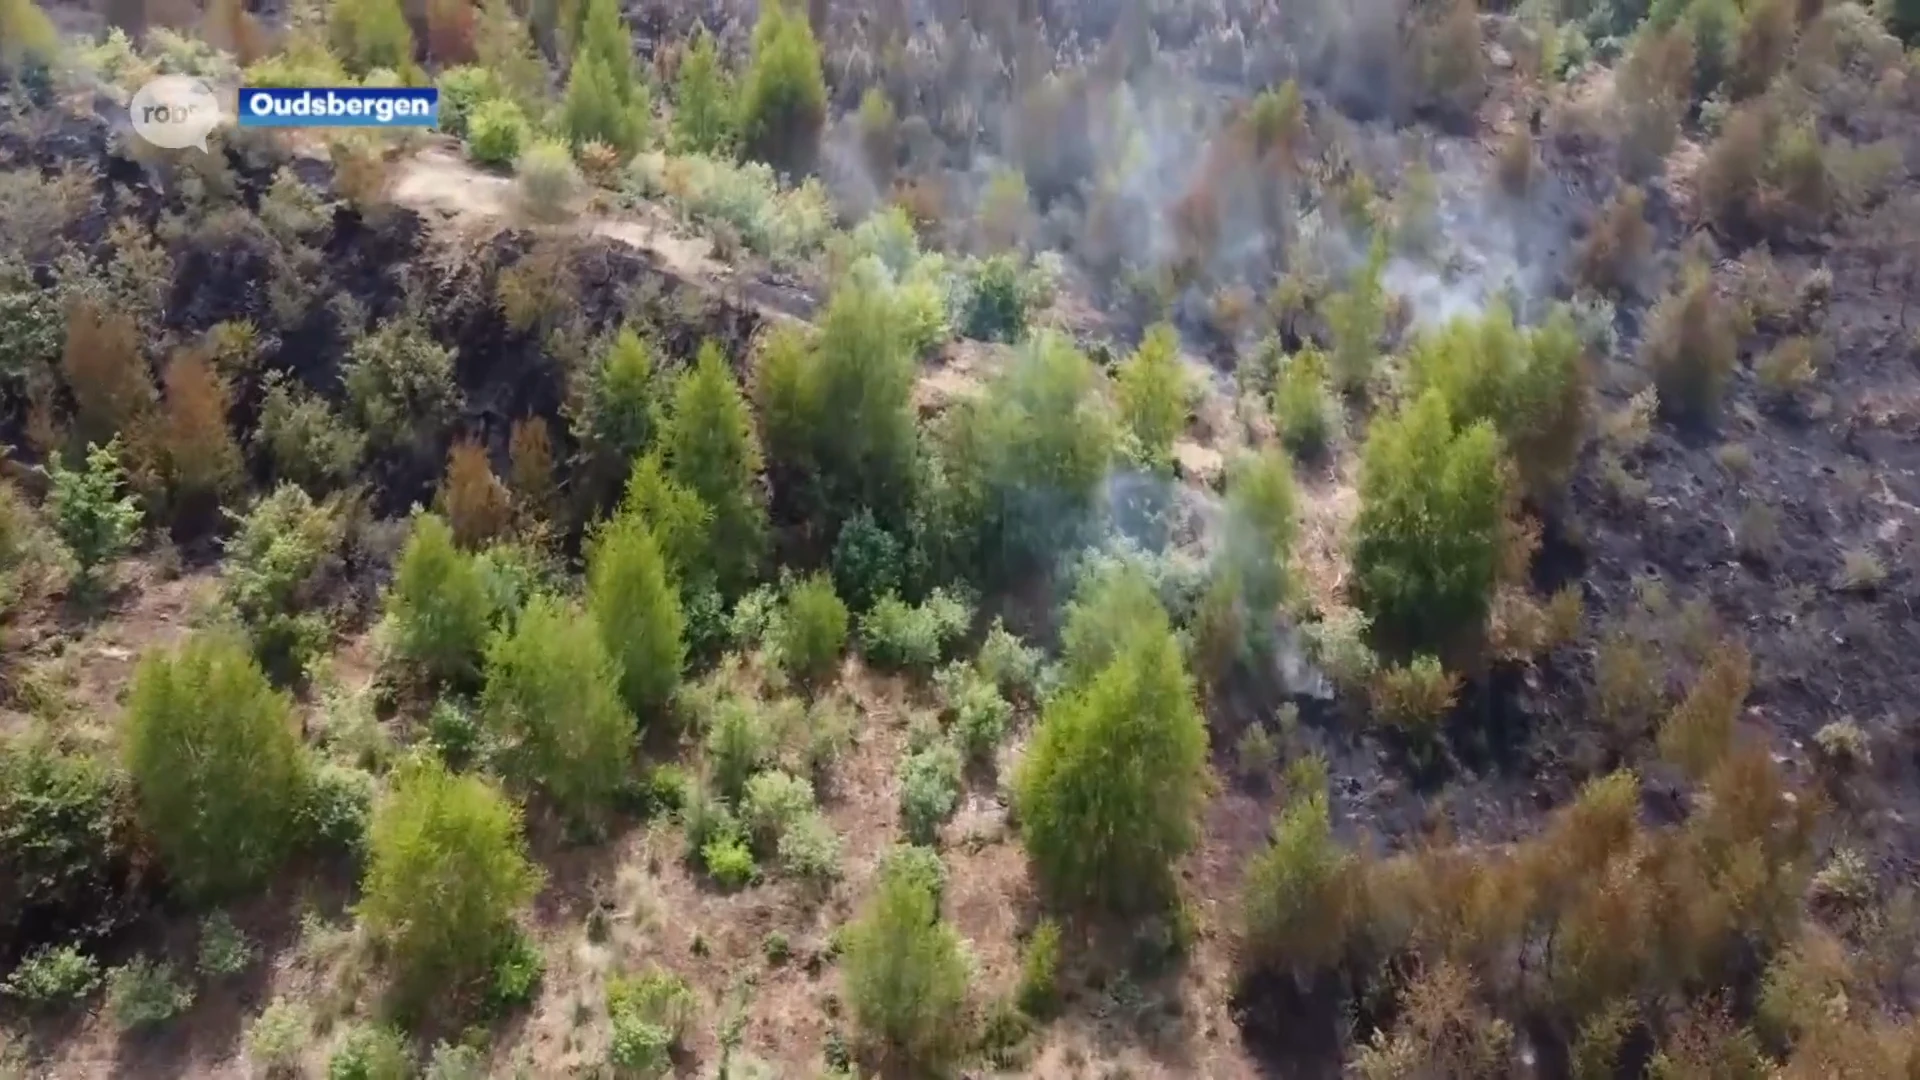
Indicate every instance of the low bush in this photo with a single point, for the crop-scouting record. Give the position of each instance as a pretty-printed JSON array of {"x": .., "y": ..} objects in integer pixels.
[
  {"x": 929, "y": 790},
  {"x": 549, "y": 180},
  {"x": 277, "y": 1038},
  {"x": 66, "y": 846},
  {"x": 813, "y": 629},
  {"x": 224, "y": 951},
  {"x": 400, "y": 386},
  {"x": 809, "y": 848},
  {"x": 898, "y": 635},
  {"x": 650, "y": 1014},
  {"x": 305, "y": 439},
  {"x": 1305, "y": 412},
  {"x": 739, "y": 742},
  {"x": 276, "y": 562},
  {"x": 772, "y": 803},
  {"x": 52, "y": 976},
  {"x": 94, "y": 523},
  {"x": 145, "y": 994},
  {"x": 497, "y": 133},
  {"x": 867, "y": 561},
  {"x": 1691, "y": 344},
  {"x": 1038, "y": 993},
  {"x": 997, "y": 302},
  {"x": 1297, "y": 906},
  {"x": 371, "y": 1053}
]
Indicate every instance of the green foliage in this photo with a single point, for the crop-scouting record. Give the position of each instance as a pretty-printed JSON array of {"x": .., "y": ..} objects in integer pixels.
[
  {"x": 1038, "y": 993},
  {"x": 1691, "y": 345},
  {"x": 680, "y": 522},
  {"x": 929, "y": 790},
  {"x": 773, "y": 802},
  {"x": 906, "y": 975},
  {"x": 145, "y": 994},
  {"x": 65, "y": 849},
  {"x": 594, "y": 109},
  {"x": 838, "y": 413},
  {"x": 898, "y": 635},
  {"x": 93, "y": 525},
  {"x": 224, "y": 950},
  {"x": 1027, "y": 459},
  {"x": 464, "y": 90},
  {"x": 517, "y": 970},
  {"x": 1153, "y": 391},
  {"x": 918, "y": 866},
  {"x": 446, "y": 875},
  {"x": 1012, "y": 666},
  {"x": 1358, "y": 318},
  {"x": 783, "y": 100},
  {"x": 215, "y": 762},
  {"x": 274, "y": 562},
  {"x": 996, "y": 308},
  {"x": 638, "y": 613},
  {"x": 371, "y": 1053},
  {"x": 306, "y": 441},
  {"x": 400, "y": 386},
  {"x": 813, "y": 629},
  {"x": 810, "y": 849},
  {"x": 614, "y": 405},
  {"x": 650, "y": 1013},
  {"x": 438, "y": 605},
  {"x": 866, "y": 561},
  {"x": 371, "y": 34},
  {"x": 1298, "y": 898},
  {"x": 1428, "y": 535},
  {"x": 1258, "y": 544},
  {"x": 548, "y": 180},
  {"x": 730, "y": 861},
  {"x": 496, "y": 133},
  {"x": 1108, "y": 606},
  {"x": 452, "y": 1062},
  {"x": 1111, "y": 786},
  {"x": 739, "y": 743},
  {"x": 333, "y": 810},
  {"x": 981, "y": 715},
  {"x": 26, "y": 34},
  {"x": 278, "y": 1036},
  {"x": 711, "y": 450},
  {"x": 703, "y": 109},
  {"x": 1529, "y": 383},
  {"x": 52, "y": 976},
  {"x": 553, "y": 700}
]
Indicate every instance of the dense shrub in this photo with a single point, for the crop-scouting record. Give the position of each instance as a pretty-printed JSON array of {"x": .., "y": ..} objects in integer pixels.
[
  {"x": 1028, "y": 458},
  {"x": 52, "y": 976},
  {"x": 497, "y": 132},
  {"x": 223, "y": 951},
  {"x": 783, "y": 99},
  {"x": 66, "y": 851},
  {"x": 650, "y": 1014},
  {"x": 711, "y": 450},
  {"x": 1614, "y": 254},
  {"x": 275, "y": 562},
  {"x": 632, "y": 601},
  {"x": 472, "y": 499},
  {"x": 929, "y": 790},
  {"x": 549, "y": 181},
  {"x": 105, "y": 371},
  {"x": 837, "y": 413},
  {"x": 867, "y": 561},
  {"x": 438, "y": 605},
  {"x": 400, "y": 386},
  {"x": 277, "y": 1037},
  {"x": 93, "y": 523},
  {"x": 980, "y": 714},
  {"x": 446, "y": 874},
  {"x": 906, "y": 974},
  {"x": 739, "y": 742},
  {"x": 464, "y": 90},
  {"x": 1699, "y": 732},
  {"x": 371, "y": 1053},
  {"x": 1152, "y": 390},
  {"x": 1530, "y": 384},
  {"x": 1297, "y": 904},
  {"x": 1428, "y": 535},
  {"x": 215, "y": 762},
  {"x": 305, "y": 440},
  {"x": 199, "y": 455},
  {"x": 703, "y": 109},
  {"x": 553, "y": 699},
  {"x": 1691, "y": 344},
  {"x": 145, "y": 994},
  {"x": 1357, "y": 318},
  {"x": 996, "y": 308},
  {"x": 1257, "y": 545},
  {"x": 1110, "y": 789},
  {"x": 1304, "y": 410},
  {"x": 900, "y": 635},
  {"x": 371, "y": 34},
  {"x": 612, "y": 410},
  {"x": 813, "y": 629}
]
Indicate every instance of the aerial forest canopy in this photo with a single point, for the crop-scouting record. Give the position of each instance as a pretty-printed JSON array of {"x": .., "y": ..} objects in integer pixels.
[{"x": 880, "y": 540}]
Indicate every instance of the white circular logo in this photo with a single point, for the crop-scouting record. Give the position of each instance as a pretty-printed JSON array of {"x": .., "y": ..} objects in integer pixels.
[{"x": 174, "y": 112}]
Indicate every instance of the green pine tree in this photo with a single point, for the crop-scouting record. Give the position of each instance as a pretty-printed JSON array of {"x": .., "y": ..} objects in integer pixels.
[
  {"x": 703, "y": 100},
  {"x": 783, "y": 102},
  {"x": 632, "y": 599},
  {"x": 712, "y": 451}
]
